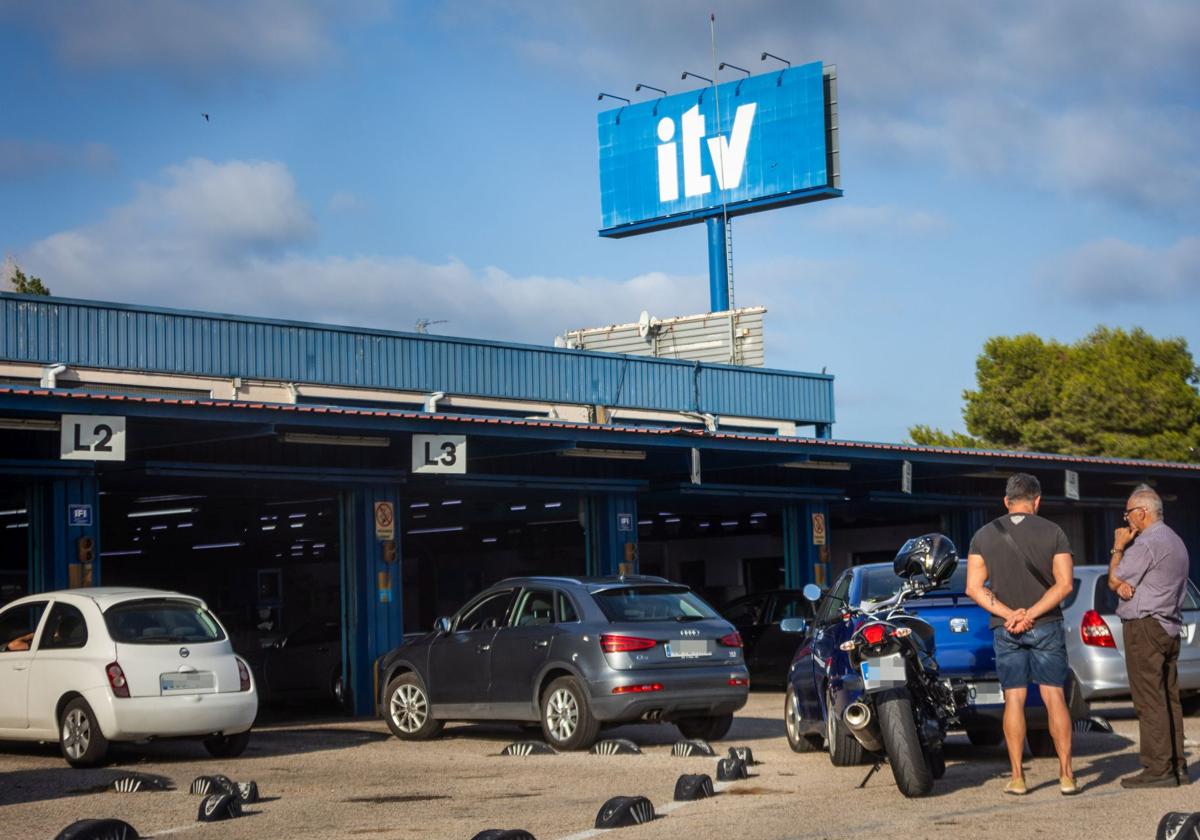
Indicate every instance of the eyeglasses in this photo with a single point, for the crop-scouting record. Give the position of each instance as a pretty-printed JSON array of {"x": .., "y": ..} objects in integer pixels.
[{"x": 1132, "y": 510}]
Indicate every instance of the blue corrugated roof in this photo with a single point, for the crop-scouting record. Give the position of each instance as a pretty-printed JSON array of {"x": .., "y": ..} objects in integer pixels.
[{"x": 96, "y": 334}]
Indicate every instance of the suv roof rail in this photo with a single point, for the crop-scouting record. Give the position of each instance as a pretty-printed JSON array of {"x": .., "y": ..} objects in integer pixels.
[{"x": 549, "y": 578}]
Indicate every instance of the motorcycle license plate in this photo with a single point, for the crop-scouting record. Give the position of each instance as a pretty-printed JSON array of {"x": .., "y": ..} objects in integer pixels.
[
  {"x": 984, "y": 693},
  {"x": 879, "y": 672},
  {"x": 687, "y": 649}
]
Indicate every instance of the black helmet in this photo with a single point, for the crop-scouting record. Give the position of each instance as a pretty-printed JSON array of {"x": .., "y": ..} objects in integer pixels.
[{"x": 931, "y": 555}]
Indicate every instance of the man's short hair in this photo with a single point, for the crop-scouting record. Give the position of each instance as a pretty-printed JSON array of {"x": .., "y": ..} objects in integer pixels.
[
  {"x": 1022, "y": 487},
  {"x": 1146, "y": 496}
]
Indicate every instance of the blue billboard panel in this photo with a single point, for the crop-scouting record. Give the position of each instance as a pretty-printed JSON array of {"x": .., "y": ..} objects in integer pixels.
[{"x": 743, "y": 146}]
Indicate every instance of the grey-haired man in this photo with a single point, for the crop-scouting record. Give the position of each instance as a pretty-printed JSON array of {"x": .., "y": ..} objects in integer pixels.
[{"x": 1148, "y": 571}]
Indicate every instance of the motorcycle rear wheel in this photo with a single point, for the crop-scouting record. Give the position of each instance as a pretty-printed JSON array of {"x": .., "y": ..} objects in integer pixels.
[
  {"x": 844, "y": 748},
  {"x": 898, "y": 727}
]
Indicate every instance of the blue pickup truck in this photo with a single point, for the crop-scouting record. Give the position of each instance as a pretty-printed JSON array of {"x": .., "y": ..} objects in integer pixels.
[{"x": 821, "y": 677}]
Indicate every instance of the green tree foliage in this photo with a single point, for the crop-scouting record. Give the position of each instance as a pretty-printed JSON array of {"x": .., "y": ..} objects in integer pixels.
[
  {"x": 27, "y": 285},
  {"x": 1116, "y": 393}
]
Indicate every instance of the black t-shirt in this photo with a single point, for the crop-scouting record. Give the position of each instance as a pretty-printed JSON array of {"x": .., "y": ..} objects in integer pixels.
[{"x": 1008, "y": 575}]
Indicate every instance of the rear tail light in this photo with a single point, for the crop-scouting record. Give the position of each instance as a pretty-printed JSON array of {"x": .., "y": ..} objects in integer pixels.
[
  {"x": 740, "y": 681},
  {"x": 116, "y": 680},
  {"x": 637, "y": 689},
  {"x": 243, "y": 676},
  {"x": 1094, "y": 631},
  {"x": 611, "y": 643},
  {"x": 734, "y": 639},
  {"x": 873, "y": 633}
]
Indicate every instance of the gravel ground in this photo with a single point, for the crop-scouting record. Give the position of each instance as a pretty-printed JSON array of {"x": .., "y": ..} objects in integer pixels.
[{"x": 349, "y": 778}]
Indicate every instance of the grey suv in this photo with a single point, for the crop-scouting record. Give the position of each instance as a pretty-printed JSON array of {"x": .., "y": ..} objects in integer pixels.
[{"x": 573, "y": 654}]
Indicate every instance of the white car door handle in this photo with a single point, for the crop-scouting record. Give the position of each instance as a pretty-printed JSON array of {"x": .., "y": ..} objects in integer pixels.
[{"x": 19, "y": 666}]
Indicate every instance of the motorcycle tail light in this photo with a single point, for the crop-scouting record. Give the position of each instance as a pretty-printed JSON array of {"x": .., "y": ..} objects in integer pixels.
[
  {"x": 116, "y": 680},
  {"x": 873, "y": 633},
  {"x": 1094, "y": 631},
  {"x": 243, "y": 676},
  {"x": 613, "y": 643},
  {"x": 734, "y": 639}
]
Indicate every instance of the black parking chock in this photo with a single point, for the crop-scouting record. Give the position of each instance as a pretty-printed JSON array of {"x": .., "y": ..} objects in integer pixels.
[
  {"x": 248, "y": 792},
  {"x": 216, "y": 783},
  {"x": 744, "y": 753},
  {"x": 1178, "y": 825},
  {"x": 731, "y": 769},
  {"x": 616, "y": 746},
  {"x": 690, "y": 787},
  {"x": 622, "y": 811},
  {"x": 107, "y": 829},
  {"x": 140, "y": 783},
  {"x": 690, "y": 747},
  {"x": 528, "y": 748},
  {"x": 504, "y": 834},
  {"x": 219, "y": 806}
]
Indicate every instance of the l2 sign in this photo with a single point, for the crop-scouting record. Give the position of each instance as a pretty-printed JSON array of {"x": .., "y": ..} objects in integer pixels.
[{"x": 92, "y": 437}]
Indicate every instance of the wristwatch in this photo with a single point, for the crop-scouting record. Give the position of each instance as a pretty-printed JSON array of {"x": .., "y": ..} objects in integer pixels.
[{"x": 1113, "y": 551}]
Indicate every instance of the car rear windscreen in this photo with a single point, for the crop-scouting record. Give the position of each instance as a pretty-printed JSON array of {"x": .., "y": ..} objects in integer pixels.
[
  {"x": 881, "y": 582},
  {"x": 652, "y": 603},
  {"x": 161, "y": 621}
]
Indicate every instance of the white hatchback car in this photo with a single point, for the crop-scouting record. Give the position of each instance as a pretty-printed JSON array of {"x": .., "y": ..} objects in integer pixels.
[{"x": 89, "y": 666}]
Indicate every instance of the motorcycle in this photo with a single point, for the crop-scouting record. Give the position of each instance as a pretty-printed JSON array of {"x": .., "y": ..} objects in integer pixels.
[{"x": 905, "y": 707}]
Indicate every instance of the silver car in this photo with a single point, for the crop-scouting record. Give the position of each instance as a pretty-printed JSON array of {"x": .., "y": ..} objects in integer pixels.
[
  {"x": 1096, "y": 648},
  {"x": 574, "y": 654}
]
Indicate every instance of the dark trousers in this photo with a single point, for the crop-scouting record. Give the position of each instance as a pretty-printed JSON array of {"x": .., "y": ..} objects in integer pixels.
[{"x": 1151, "y": 657}]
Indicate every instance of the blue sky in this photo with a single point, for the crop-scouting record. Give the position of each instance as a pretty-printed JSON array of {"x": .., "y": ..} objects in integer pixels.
[{"x": 1008, "y": 167}]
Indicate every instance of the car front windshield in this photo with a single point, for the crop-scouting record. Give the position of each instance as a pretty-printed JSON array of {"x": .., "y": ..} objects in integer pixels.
[
  {"x": 160, "y": 621},
  {"x": 652, "y": 603}
]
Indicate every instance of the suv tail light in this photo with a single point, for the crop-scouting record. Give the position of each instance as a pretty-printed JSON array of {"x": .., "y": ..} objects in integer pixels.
[
  {"x": 243, "y": 676},
  {"x": 734, "y": 639},
  {"x": 873, "y": 633},
  {"x": 612, "y": 643},
  {"x": 1094, "y": 631},
  {"x": 116, "y": 680},
  {"x": 637, "y": 689}
]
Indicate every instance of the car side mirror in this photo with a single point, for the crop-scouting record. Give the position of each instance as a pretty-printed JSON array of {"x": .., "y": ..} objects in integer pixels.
[
  {"x": 442, "y": 625},
  {"x": 812, "y": 592},
  {"x": 793, "y": 625}
]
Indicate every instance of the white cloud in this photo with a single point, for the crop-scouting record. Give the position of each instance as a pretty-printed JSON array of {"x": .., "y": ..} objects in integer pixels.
[
  {"x": 198, "y": 42},
  {"x": 347, "y": 203},
  {"x": 1112, "y": 272},
  {"x": 856, "y": 219},
  {"x": 30, "y": 158},
  {"x": 225, "y": 236}
]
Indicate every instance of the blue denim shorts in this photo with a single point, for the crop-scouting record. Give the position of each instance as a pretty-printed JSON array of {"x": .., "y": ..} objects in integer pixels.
[{"x": 1038, "y": 655}]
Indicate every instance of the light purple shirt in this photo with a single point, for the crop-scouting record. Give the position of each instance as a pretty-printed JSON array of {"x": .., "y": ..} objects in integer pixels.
[{"x": 1156, "y": 564}]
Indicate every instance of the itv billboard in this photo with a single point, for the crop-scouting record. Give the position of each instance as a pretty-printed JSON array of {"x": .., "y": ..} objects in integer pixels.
[{"x": 744, "y": 146}]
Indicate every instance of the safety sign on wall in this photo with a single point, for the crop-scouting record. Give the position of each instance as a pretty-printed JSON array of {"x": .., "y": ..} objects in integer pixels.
[
  {"x": 92, "y": 437},
  {"x": 439, "y": 453},
  {"x": 818, "y": 529},
  {"x": 385, "y": 521}
]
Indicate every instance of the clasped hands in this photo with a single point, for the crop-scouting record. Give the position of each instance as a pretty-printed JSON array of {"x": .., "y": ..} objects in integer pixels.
[{"x": 1019, "y": 622}]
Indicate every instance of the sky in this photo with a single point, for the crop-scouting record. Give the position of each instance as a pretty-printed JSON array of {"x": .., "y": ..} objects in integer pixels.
[{"x": 1008, "y": 167}]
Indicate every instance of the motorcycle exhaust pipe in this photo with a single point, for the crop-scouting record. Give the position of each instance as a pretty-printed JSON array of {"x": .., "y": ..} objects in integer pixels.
[{"x": 863, "y": 726}]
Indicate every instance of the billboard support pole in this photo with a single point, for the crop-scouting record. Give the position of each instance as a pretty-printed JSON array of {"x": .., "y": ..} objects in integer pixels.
[{"x": 718, "y": 265}]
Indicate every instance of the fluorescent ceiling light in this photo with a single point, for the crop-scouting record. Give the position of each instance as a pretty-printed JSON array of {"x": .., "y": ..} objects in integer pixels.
[
  {"x": 13, "y": 512},
  {"x": 836, "y": 466},
  {"x": 551, "y": 505},
  {"x": 17, "y": 525},
  {"x": 28, "y": 425},
  {"x": 138, "y": 514},
  {"x": 671, "y": 519},
  {"x": 705, "y": 524},
  {"x": 297, "y": 525},
  {"x": 729, "y": 523},
  {"x": 184, "y": 525},
  {"x": 297, "y": 515},
  {"x": 335, "y": 440},
  {"x": 416, "y": 505},
  {"x": 449, "y": 530},
  {"x": 159, "y": 527},
  {"x": 131, "y": 553},
  {"x": 517, "y": 507},
  {"x": 488, "y": 539},
  {"x": 611, "y": 454},
  {"x": 450, "y": 502},
  {"x": 206, "y": 546},
  {"x": 167, "y": 498},
  {"x": 268, "y": 527}
]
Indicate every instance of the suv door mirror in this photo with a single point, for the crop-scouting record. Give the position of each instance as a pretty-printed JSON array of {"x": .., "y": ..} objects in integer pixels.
[
  {"x": 793, "y": 625},
  {"x": 442, "y": 625},
  {"x": 812, "y": 592}
]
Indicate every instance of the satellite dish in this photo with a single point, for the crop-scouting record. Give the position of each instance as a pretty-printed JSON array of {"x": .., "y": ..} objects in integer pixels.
[{"x": 646, "y": 324}]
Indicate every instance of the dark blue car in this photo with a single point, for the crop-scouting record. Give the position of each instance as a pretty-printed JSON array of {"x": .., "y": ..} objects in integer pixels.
[{"x": 821, "y": 677}]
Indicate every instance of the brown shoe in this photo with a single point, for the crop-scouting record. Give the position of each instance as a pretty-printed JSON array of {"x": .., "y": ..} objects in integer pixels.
[
  {"x": 1146, "y": 780},
  {"x": 1067, "y": 785},
  {"x": 1016, "y": 787},
  {"x": 1182, "y": 777}
]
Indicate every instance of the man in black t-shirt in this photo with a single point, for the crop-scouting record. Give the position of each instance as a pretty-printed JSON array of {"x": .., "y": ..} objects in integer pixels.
[{"x": 1025, "y": 562}]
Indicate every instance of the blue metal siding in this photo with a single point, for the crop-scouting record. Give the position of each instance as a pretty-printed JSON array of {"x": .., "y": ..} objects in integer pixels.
[{"x": 117, "y": 336}]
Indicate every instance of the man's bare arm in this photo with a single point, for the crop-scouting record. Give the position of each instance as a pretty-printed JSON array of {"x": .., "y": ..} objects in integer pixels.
[{"x": 977, "y": 575}]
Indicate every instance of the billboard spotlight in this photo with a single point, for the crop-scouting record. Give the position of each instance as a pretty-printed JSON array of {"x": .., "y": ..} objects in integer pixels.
[
  {"x": 767, "y": 55},
  {"x": 725, "y": 64},
  {"x": 694, "y": 76},
  {"x": 611, "y": 96},
  {"x": 640, "y": 85}
]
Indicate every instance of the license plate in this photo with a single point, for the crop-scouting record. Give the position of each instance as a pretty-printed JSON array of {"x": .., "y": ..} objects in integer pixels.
[
  {"x": 984, "y": 693},
  {"x": 168, "y": 683},
  {"x": 882, "y": 672},
  {"x": 688, "y": 648}
]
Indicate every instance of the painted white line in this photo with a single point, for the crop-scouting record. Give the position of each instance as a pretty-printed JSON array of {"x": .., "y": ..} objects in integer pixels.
[{"x": 659, "y": 810}]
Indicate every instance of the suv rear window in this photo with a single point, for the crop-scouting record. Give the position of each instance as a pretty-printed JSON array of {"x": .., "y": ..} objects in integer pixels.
[
  {"x": 652, "y": 603},
  {"x": 161, "y": 621}
]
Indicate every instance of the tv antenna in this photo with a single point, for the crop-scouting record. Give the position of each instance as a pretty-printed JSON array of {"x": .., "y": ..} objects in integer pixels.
[{"x": 423, "y": 325}]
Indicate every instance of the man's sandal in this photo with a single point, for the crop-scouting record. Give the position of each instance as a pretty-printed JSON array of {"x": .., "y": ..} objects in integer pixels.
[{"x": 1016, "y": 787}]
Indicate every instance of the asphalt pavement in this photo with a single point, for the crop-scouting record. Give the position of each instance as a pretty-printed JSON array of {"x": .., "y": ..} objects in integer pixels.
[{"x": 337, "y": 778}]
